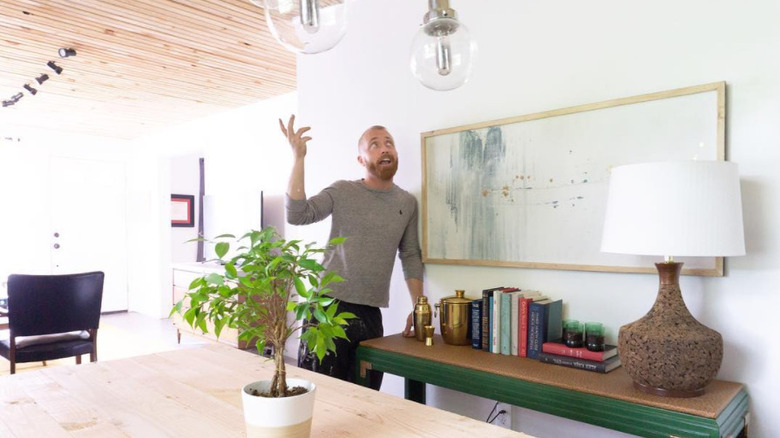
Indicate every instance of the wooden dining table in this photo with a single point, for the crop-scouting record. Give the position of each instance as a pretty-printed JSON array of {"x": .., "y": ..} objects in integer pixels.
[{"x": 195, "y": 392}]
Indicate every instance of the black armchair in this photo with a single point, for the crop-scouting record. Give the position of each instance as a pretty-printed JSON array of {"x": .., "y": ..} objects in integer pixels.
[{"x": 52, "y": 317}]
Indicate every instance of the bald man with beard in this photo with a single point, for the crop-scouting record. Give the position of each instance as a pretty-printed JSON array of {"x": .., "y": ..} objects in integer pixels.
[{"x": 379, "y": 220}]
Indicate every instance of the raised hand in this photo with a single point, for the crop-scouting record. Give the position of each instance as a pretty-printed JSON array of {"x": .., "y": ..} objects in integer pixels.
[{"x": 295, "y": 138}]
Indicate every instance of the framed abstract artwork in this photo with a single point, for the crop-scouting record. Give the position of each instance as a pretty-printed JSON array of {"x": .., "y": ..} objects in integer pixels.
[
  {"x": 182, "y": 210},
  {"x": 530, "y": 191}
]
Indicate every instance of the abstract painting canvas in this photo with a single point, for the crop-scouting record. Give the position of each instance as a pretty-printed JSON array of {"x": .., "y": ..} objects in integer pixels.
[{"x": 530, "y": 191}]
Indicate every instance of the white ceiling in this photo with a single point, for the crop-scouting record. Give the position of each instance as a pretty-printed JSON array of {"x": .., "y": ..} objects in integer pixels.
[{"x": 141, "y": 65}]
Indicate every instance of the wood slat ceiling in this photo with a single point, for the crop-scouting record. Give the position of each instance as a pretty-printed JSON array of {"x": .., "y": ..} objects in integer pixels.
[{"x": 141, "y": 65}]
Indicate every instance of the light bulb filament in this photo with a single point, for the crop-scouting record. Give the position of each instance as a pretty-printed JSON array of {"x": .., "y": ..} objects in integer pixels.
[
  {"x": 310, "y": 15},
  {"x": 443, "y": 51}
]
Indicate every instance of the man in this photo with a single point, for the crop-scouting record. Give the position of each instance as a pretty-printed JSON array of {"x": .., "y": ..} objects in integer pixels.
[{"x": 379, "y": 220}]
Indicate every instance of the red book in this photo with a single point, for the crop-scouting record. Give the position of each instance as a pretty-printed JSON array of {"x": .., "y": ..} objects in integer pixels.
[
  {"x": 522, "y": 325},
  {"x": 581, "y": 352}
]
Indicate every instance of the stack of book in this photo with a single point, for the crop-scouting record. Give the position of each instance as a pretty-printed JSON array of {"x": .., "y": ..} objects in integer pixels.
[
  {"x": 514, "y": 322},
  {"x": 582, "y": 358}
]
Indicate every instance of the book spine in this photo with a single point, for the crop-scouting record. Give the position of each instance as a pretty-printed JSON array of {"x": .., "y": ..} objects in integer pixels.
[
  {"x": 496, "y": 329},
  {"x": 476, "y": 324},
  {"x": 490, "y": 325},
  {"x": 486, "y": 294},
  {"x": 535, "y": 312},
  {"x": 522, "y": 347},
  {"x": 514, "y": 314},
  {"x": 580, "y": 353},
  {"x": 506, "y": 323},
  {"x": 573, "y": 362}
]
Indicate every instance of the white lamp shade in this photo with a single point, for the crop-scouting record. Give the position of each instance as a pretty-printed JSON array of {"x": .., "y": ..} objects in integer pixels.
[{"x": 675, "y": 208}]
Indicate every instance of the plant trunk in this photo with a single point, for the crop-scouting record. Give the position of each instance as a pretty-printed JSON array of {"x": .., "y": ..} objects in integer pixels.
[{"x": 280, "y": 376}]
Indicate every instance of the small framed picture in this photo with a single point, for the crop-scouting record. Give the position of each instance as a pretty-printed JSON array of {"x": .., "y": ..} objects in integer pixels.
[{"x": 182, "y": 210}]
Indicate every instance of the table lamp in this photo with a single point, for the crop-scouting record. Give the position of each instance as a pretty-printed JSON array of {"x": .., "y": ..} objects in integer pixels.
[{"x": 675, "y": 208}]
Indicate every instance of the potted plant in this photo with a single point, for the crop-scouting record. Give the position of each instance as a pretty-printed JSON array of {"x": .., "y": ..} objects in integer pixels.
[{"x": 267, "y": 291}]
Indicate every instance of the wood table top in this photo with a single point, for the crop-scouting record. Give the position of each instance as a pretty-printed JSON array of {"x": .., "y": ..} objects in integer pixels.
[{"x": 195, "y": 392}]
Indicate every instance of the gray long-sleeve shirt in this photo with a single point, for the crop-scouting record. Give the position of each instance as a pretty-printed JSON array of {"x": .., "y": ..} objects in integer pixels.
[{"x": 377, "y": 224}]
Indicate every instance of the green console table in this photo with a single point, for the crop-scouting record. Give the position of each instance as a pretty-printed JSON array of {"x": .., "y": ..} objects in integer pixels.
[{"x": 606, "y": 400}]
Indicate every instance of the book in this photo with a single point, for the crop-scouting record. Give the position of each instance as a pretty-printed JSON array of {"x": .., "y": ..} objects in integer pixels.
[
  {"x": 515, "y": 320},
  {"x": 476, "y": 324},
  {"x": 505, "y": 320},
  {"x": 522, "y": 325},
  {"x": 490, "y": 328},
  {"x": 604, "y": 366},
  {"x": 544, "y": 324},
  {"x": 486, "y": 319},
  {"x": 495, "y": 321},
  {"x": 580, "y": 352}
]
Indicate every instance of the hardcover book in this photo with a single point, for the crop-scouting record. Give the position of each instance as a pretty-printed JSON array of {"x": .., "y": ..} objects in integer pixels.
[
  {"x": 588, "y": 365},
  {"x": 505, "y": 320},
  {"x": 522, "y": 326},
  {"x": 514, "y": 330},
  {"x": 486, "y": 319},
  {"x": 544, "y": 324},
  {"x": 581, "y": 352},
  {"x": 476, "y": 324}
]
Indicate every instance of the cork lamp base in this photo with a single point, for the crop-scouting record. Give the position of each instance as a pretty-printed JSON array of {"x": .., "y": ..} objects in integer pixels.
[{"x": 668, "y": 352}]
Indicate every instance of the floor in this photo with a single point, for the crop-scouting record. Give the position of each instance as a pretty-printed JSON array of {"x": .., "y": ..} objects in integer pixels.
[{"x": 123, "y": 334}]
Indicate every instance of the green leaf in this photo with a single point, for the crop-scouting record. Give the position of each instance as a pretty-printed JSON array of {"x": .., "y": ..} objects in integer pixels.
[
  {"x": 225, "y": 236},
  {"x": 221, "y": 249},
  {"x": 339, "y": 332},
  {"x": 320, "y": 315},
  {"x": 301, "y": 288},
  {"x": 346, "y": 315},
  {"x": 331, "y": 310},
  {"x": 337, "y": 241},
  {"x": 215, "y": 279},
  {"x": 310, "y": 264}
]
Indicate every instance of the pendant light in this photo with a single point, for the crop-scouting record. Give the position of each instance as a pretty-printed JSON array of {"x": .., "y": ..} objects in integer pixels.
[
  {"x": 306, "y": 26},
  {"x": 442, "y": 51}
]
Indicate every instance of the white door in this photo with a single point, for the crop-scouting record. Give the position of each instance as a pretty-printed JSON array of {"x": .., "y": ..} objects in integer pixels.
[{"x": 88, "y": 219}]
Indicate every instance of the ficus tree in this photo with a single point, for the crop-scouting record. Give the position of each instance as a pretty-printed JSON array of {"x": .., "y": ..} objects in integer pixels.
[{"x": 267, "y": 280}]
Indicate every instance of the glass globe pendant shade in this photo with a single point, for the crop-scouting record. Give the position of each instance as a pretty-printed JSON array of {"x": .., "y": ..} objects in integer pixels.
[
  {"x": 442, "y": 54},
  {"x": 306, "y": 26}
]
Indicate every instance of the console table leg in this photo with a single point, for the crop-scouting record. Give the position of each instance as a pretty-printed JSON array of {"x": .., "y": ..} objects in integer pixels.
[{"x": 414, "y": 390}]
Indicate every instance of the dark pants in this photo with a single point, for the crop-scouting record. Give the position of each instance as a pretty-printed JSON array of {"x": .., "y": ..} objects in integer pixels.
[{"x": 367, "y": 325}]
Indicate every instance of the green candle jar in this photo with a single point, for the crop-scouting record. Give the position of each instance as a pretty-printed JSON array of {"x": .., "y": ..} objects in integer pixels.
[
  {"x": 594, "y": 336},
  {"x": 572, "y": 333}
]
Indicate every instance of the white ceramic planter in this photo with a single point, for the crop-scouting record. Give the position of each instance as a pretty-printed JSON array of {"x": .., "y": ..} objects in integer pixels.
[{"x": 288, "y": 417}]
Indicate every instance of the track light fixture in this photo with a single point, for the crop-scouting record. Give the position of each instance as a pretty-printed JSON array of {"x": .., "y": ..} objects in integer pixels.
[
  {"x": 7, "y": 103},
  {"x": 15, "y": 98},
  {"x": 57, "y": 69},
  {"x": 42, "y": 78},
  {"x": 64, "y": 53},
  {"x": 30, "y": 89}
]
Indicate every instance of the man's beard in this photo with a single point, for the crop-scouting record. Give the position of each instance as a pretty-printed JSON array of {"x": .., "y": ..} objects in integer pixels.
[{"x": 384, "y": 173}]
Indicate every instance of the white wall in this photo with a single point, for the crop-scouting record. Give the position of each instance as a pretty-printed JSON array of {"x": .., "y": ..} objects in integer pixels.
[
  {"x": 537, "y": 56},
  {"x": 240, "y": 151}
]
